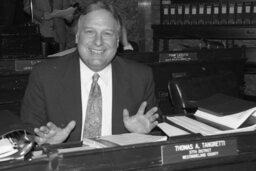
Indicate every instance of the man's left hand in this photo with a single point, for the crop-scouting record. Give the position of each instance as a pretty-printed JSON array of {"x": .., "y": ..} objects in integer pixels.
[{"x": 141, "y": 123}]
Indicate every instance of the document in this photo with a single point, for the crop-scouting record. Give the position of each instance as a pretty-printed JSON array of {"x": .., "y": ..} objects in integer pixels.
[
  {"x": 6, "y": 149},
  {"x": 225, "y": 112},
  {"x": 204, "y": 129},
  {"x": 172, "y": 131},
  {"x": 231, "y": 121},
  {"x": 122, "y": 139}
]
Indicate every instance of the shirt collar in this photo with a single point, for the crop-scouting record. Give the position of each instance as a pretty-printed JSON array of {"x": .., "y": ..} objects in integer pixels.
[{"x": 104, "y": 74}]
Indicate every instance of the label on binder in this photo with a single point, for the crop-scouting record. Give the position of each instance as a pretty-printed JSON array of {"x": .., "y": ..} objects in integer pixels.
[{"x": 174, "y": 153}]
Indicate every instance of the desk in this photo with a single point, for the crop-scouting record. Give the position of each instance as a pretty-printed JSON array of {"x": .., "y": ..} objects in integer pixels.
[{"x": 149, "y": 156}]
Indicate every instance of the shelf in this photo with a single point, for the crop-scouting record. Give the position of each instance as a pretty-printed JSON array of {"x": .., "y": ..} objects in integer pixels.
[{"x": 217, "y": 32}]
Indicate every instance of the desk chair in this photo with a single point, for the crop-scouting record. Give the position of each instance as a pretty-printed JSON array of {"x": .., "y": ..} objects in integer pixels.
[{"x": 184, "y": 92}]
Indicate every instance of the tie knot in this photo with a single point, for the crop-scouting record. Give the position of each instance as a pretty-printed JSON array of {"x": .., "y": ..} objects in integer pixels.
[{"x": 95, "y": 77}]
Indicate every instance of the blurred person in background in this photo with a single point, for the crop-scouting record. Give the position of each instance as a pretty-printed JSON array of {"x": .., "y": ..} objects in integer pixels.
[{"x": 51, "y": 15}]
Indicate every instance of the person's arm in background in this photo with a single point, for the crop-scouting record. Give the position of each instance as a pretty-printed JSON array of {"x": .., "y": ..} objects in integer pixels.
[
  {"x": 59, "y": 11},
  {"x": 38, "y": 14},
  {"x": 124, "y": 39},
  {"x": 59, "y": 25},
  {"x": 125, "y": 45}
]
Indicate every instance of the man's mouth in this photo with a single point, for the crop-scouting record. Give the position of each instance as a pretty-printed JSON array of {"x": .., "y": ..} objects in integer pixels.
[{"x": 98, "y": 52}]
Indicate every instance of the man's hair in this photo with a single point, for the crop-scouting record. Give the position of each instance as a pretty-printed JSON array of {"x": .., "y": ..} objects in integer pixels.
[{"x": 100, "y": 4}]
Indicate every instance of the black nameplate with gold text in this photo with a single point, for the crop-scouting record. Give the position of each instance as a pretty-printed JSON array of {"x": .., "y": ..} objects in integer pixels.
[
  {"x": 177, "y": 57},
  {"x": 204, "y": 149}
]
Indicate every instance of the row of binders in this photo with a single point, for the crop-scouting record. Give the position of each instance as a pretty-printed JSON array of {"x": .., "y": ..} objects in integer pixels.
[{"x": 208, "y": 13}]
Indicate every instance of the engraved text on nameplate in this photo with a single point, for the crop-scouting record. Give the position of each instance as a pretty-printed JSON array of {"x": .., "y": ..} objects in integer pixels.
[{"x": 174, "y": 153}]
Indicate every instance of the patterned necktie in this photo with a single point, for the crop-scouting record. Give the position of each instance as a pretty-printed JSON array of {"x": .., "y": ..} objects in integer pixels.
[{"x": 92, "y": 126}]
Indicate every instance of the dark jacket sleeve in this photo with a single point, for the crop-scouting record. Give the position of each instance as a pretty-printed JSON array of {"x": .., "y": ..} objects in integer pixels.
[{"x": 33, "y": 105}]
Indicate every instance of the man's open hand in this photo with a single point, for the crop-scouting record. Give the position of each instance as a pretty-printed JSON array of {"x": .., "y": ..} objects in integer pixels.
[
  {"x": 141, "y": 123},
  {"x": 52, "y": 134}
]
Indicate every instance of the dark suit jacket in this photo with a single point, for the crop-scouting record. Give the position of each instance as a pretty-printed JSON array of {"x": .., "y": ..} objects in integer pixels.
[{"x": 54, "y": 92}]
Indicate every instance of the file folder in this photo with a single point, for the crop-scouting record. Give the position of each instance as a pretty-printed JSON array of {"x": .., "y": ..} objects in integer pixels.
[
  {"x": 216, "y": 14},
  {"x": 223, "y": 14},
  {"x": 208, "y": 12},
  {"x": 239, "y": 13},
  {"x": 165, "y": 5},
  {"x": 201, "y": 13},
  {"x": 231, "y": 13},
  {"x": 194, "y": 14},
  {"x": 247, "y": 13},
  {"x": 173, "y": 14},
  {"x": 187, "y": 15},
  {"x": 180, "y": 13},
  {"x": 253, "y": 16}
]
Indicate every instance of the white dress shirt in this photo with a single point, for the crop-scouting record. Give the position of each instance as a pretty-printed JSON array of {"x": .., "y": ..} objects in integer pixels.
[{"x": 105, "y": 83}]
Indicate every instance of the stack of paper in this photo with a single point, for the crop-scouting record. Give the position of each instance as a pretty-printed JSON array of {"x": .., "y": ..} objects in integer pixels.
[
  {"x": 6, "y": 149},
  {"x": 122, "y": 139}
]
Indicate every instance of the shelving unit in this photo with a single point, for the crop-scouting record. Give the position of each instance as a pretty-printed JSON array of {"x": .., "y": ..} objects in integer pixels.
[
  {"x": 226, "y": 20},
  {"x": 216, "y": 32}
]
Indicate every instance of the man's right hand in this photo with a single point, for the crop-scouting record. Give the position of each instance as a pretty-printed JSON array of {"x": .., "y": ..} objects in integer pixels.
[{"x": 52, "y": 134}]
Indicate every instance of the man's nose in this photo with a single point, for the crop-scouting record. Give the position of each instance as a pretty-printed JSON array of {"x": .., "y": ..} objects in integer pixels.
[{"x": 98, "y": 40}]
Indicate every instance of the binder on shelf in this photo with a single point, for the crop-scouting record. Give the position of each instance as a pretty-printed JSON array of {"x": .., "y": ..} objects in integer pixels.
[
  {"x": 180, "y": 13},
  {"x": 172, "y": 14},
  {"x": 165, "y": 11},
  {"x": 239, "y": 13},
  {"x": 186, "y": 17},
  {"x": 247, "y": 12},
  {"x": 194, "y": 14},
  {"x": 231, "y": 13},
  {"x": 216, "y": 13},
  {"x": 201, "y": 13},
  {"x": 253, "y": 16},
  {"x": 223, "y": 14},
  {"x": 208, "y": 14}
]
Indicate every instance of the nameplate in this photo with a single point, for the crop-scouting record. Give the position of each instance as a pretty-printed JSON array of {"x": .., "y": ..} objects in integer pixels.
[
  {"x": 182, "y": 152},
  {"x": 173, "y": 57},
  {"x": 26, "y": 65},
  {"x": 18, "y": 64}
]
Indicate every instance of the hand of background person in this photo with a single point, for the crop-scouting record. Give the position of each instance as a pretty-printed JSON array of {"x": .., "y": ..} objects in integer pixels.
[
  {"x": 52, "y": 134},
  {"x": 141, "y": 123}
]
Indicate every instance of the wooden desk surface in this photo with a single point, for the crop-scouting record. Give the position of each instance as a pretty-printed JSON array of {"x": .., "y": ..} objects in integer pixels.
[{"x": 150, "y": 157}]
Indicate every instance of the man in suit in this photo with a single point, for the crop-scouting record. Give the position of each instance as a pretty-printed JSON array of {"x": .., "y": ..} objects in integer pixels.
[{"x": 56, "y": 97}]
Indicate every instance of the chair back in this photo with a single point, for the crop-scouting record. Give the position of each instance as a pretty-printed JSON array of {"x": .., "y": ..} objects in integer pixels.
[{"x": 184, "y": 92}]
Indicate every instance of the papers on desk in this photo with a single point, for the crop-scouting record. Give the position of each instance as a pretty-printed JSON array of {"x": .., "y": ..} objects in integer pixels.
[
  {"x": 6, "y": 149},
  {"x": 198, "y": 127},
  {"x": 122, "y": 139},
  {"x": 171, "y": 130},
  {"x": 217, "y": 114},
  {"x": 133, "y": 138}
]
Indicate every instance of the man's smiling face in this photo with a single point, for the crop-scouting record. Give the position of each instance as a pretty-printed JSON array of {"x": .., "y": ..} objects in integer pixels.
[{"x": 97, "y": 39}]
